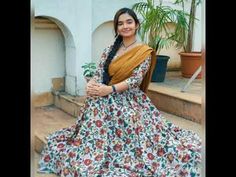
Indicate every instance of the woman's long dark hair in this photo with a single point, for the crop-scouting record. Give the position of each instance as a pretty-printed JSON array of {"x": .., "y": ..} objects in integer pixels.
[{"x": 117, "y": 43}]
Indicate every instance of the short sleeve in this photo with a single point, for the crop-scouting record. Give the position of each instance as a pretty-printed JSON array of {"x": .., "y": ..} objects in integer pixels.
[{"x": 135, "y": 80}]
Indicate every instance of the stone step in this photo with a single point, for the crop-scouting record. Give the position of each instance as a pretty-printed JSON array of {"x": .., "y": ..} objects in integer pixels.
[
  {"x": 172, "y": 100},
  {"x": 46, "y": 120},
  {"x": 165, "y": 98},
  {"x": 69, "y": 104},
  {"x": 49, "y": 119}
]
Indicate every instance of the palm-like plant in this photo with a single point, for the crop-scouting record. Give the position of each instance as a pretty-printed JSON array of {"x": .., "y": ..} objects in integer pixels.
[
  {"x": 155, "y": 28},
  {"x": 190, "y": 60},
  {"x": 187, "y": 41}
]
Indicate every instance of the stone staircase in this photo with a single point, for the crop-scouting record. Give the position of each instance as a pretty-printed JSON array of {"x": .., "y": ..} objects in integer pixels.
[
  {"x": 167, "y": 96},
  {"x": 68, "y": 103},
  {"x": 46, "y": 120},
  {"x": 183, "y": 109}
]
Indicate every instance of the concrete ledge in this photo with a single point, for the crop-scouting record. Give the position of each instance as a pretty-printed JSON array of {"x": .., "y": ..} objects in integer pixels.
[
  {"x": 48, "y": 120},
  {"x": 55, "y": 119},
  {"x": 39, "y": 142},
  {"x": 175, "y": 93},
  {"x": 188, "y": 109},
  {"x": 68, "y": 103},
  {"x": 42, "y": 99}
]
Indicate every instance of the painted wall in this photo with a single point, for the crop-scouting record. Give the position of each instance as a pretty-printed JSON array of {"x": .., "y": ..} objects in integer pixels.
[
  {"x": 74, "y": 19},
  {"x": 48, "y": 59},
  {"x": 104, "y": 10},
  {"x": 99, "y": 42},
  {"x": 197, "y": 35},
  {"x": 84, "y": 25}
]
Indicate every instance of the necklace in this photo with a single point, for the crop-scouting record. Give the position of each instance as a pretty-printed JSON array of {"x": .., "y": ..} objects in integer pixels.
[{"x": 126, "y": 47}]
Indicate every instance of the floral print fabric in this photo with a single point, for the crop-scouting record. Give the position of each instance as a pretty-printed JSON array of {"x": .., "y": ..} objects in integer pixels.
[{"x": 123, "y": 135}]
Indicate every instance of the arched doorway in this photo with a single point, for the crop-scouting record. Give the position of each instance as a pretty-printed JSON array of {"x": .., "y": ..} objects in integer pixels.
[
  {"x": 48, "y": 61},
  {"x": 63, "y": 47}
]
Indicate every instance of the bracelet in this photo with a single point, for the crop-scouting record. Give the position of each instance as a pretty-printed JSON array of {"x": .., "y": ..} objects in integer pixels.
[{"x": 113, "y": 88}]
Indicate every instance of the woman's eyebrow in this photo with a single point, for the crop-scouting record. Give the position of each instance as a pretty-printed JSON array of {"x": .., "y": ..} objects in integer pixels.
[{"x": 125, "y": 20}]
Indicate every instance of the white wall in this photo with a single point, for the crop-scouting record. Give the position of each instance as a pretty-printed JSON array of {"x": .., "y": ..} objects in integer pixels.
[
  {"x": 48, "y": 59},
  {"x": 102, "y": 23},
  {"x": 104, "y": 10},
  {"x": 74, "y": 19},
  {"x": 197, "y": 40},
  {"x": 197, "y": 35},
  {"x": 99, "y": 42},
  {"x": 82, "y": 23}
]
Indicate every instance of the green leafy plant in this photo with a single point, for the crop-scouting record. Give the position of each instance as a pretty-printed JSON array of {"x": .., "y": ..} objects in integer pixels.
[
  {"x": 187, "y": 34},
  {"x": 89, "y": 69},
  {"x": 155, "y": 29}
]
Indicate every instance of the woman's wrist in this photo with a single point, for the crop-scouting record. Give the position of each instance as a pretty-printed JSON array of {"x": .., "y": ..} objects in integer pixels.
[
  {"x": 110, "y": 89},
  {"x": 113, "y": 88}
]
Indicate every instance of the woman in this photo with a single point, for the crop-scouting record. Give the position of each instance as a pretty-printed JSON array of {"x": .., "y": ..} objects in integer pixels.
[{"x": 119, "y": 132}]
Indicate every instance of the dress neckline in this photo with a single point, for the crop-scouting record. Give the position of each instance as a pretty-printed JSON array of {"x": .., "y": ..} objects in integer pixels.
[{"x": 117, "y": 56}]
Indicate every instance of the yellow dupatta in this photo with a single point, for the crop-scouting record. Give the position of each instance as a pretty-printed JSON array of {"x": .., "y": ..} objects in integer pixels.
[{"x": 121, "y": 68}]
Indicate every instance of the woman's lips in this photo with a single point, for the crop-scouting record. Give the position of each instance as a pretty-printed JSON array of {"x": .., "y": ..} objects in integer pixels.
[{"x": 126, "y": 31}]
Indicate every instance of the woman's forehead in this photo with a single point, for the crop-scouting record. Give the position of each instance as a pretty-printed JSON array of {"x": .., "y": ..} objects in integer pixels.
[{"x": 125, "y": 17}]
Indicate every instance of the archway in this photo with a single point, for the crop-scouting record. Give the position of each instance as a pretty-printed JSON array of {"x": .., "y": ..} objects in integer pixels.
[{"x": 53, "y": 59}]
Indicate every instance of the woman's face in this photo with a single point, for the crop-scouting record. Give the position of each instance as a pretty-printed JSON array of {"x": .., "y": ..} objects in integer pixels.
[{"x": 126, "y": 25}]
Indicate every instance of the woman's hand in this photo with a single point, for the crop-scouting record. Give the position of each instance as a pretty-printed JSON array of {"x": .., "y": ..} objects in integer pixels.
[
  {"x": 91, "y": 87},
  {"x": 103, "y": 90},
  {"x": 97, "y": 89}
]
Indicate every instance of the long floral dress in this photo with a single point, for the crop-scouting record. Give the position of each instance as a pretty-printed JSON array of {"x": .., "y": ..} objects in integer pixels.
[{"x": 122, "y": 135}]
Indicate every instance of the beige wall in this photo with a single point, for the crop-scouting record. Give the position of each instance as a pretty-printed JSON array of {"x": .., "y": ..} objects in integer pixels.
[
  {"x": 48, "y": 59},
  {"x": 174, "y": 61},
  {"x": 102, "y": 37},
  {"x": 80, "y": 19}
]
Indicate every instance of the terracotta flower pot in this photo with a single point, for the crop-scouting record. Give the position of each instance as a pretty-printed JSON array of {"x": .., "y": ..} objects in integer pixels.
[{"x": 190, "y": 62}]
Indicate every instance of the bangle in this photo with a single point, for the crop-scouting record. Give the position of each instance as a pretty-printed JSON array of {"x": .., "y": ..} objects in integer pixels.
[{"x": 113, "y": 88}]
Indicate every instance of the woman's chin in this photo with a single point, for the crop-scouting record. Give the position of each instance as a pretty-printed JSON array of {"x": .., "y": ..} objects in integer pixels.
[{"x": 127, "y": 35}]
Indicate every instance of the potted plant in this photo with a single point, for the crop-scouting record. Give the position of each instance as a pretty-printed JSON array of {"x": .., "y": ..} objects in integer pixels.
[
  {"x": 89, "y": 70},
  {"x": 190, "y": 60},
  {"x": 156, "y": 32}
]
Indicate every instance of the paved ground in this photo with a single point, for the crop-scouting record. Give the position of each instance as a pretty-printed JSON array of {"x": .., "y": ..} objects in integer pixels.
[
  {"x": 176, "y": 81},
  {"x": 184, "y": 123}
]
